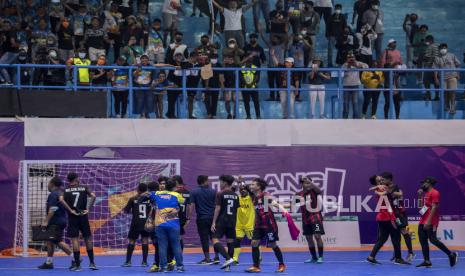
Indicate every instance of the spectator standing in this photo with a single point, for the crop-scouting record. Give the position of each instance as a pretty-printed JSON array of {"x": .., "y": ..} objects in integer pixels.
[
  {"x": 95, "y": 39},
  {"x": 391, "y": 55},
  {"x": 112, "y": 24},
  {"x": 279, "y": 23},
  {"x": 375, "y": 18},
  {"x": 310, "y": 24},
  {"x": 155, "y": 44},
  {"x": 351, "y": 84},
  {"x": 177, "y": 47},
  {"x": 212, "y": 88},
  {"x": 83, "y": 76},
  {"x": 324, "y": 8},
  {"x": 293, "y": 11},
  {"x": 10, "y": 50},
  {"x": 366, "y": 37},
  {"x": 56, "y": 11},
  {"x": 256, "y": 53},
  {"x": 410, "y": 28},
  {"x": 65, "y": 35},
  {"x": 120, "y": 80},
  {"x": 170, "y": 11},
  {"x": 99, "y": 75},
  {"x": 346, "y": 43},
  {"x": 143, "y": 78},
  {"x": 249, "y": 80},
  {"x": 133, "y": 52},
  {"x": 317, "y": 87},
  {"x": 133, "y": 29},
  {"x": 192, "y": 82},
  {"x": 264, "y": 7},
  {"x": 175, "y": 77},
  {"x": 231, "y": 58},
  {"x": 294, "y": 85},
  {"x": 447, "y": 60},
  {"x": 427, "y": 60},
  {"x": 419, "y": 45},
  {"x": 391, "y": 58},
  {"x": 371, "y": 80},
  {"x": 159, "y": 84},
  {"x": 276, "y": 52},
  {"x": 360, "y": 7},
  {"x": 334, "y": 29}
]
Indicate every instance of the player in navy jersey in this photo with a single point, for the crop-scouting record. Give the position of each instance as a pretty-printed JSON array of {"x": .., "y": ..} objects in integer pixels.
[
  {"x": 312, "y": 220},
  {"x": 224, "y": 219},
  {"x": 185, "y": 208},
  {"x": 75, "y": 201},
  {"x": 265, "y": 225},
  {"x": 140, "y": 209}
]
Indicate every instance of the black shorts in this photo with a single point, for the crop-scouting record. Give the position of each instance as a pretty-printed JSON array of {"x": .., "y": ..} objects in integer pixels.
[
  {"x": 79, "y": 224},
  {"x": 136, "y": 231},
  {"x": 313, "y": 228},
  {"x": 58, "y": 231},
  {"x": 224, "y": 231},
  {"x": 204, "y": 228},
  {"x": 269, "y": 234}
]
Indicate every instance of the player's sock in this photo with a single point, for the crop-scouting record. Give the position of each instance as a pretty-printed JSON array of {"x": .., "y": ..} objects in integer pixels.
[
  {"x": 129, "y": 252},
  {"x": 77, "y": 257},
  {"x": 182, "y": 245},
  {"x": 157, "y": 254},
  {"x": 237, "y": 250},
  {"x": 278, "y": 254},
  {"x": 230, "y": 249},
  {"x": 256, "y": 256},
  {"x": 145, "y": 252},
  {"x": 312, "y": 252},
  {"x": 408, "y": 242},
  {"x": 221, "y": 250},
  {"x": 90, "y": 254},
  {"x": 320, "y": 251}
]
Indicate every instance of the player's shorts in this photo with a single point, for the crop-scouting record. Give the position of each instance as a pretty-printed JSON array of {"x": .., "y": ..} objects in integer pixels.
[
  {"x": 135, "y": 232},
  {"x": 401, "y": 221},
  {"x": 313, "y": 228},
  {"x": 78, "y": 224},
  {"x": 58, "y": 231},
  {"x": 224, "y": 231},
  {"x": 243, "y": 232},
  {"x": 269, "y": 234}
]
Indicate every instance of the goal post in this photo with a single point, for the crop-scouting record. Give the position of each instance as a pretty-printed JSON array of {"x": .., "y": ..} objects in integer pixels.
[{"x": 113, "y": 182}]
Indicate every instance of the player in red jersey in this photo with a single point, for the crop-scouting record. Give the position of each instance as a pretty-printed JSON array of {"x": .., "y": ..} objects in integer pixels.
[
  {"x": 265, "y": 225},
  {"x": 429, "y": 199}
]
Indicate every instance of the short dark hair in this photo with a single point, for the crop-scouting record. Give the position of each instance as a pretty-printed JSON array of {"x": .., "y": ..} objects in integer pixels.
[
  {"x": 424, "y": 27},
  {"x": 162, "y": 178},
  {"x": 178, "y": 33},
  {"x": 229, "y": 179},
  {"x": 373, "y": 180},
  {"x": 142, "y": 188},
  {"x": 387, "y": 175},
  {"x": 156, "y": 20},
  {"x": 443, "y": 45},
  {"x": 170, "y": 184},
  {"x": 56, "y": 181},
  {"x": 178, "y": 179},
  {"x": 429, "y": 38},
  {"x": 153, "y": 186},
  {"x": 337, "y": 6},
  {"x": 201, "y": 179},
  {"x": 261, "y": 182},
  {"x": 204, "y": 36},
  {"x": 72, "y": 176},
  {"x": 253, "y": 35}
]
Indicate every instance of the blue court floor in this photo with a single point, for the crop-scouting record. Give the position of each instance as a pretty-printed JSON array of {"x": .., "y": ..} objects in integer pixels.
[{"x": 336, "y": 263}]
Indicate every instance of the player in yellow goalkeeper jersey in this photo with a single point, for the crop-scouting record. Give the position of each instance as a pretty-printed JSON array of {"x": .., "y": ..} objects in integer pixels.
[{"x": 245, "y": 217}]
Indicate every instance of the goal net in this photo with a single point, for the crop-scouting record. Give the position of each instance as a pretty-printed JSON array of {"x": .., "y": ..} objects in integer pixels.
[{"x": 113, "y": 181}]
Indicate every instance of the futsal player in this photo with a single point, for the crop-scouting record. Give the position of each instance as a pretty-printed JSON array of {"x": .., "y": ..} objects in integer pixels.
[
  {"x": 55, "y": 221},
  {"x": 312, "y": 220},
  {"x": 154, "y": 187},
  {"x": 139, "y": 208},
  {"x": 429, "y": 198},
  {"x": 386, "y": 223},
  {"x": 224, "y": 219},
  {"x": 75, "y": 198},
  {"x": 185, "y": 208},
  {"x": 245, "y": 218},
  {"x": 265, "y": 225}
]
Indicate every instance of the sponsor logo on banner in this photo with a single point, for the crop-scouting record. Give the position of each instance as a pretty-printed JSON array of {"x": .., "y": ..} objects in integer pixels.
[{"x": 451, "y": 233}]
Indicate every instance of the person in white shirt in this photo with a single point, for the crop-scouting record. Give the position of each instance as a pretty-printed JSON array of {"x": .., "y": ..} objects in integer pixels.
[{"x": 170, "y": 17}]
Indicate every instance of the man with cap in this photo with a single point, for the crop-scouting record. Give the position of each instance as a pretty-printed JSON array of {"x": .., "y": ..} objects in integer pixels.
[
  {"x": 295, "y": 79},
  {"x": 429, "y": 199},
  {"x": 351, "y": 84},
  {"x": 391, "y": 55}
]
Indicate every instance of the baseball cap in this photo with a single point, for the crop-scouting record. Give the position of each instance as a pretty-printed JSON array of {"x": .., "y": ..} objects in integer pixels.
[
  {"x": 289, "y": 59},
  {"x": 392, "y": 40},
  {"x": 429, "y": 179}
]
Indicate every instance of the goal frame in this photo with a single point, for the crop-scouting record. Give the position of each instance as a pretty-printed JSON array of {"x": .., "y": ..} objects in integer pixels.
[{"x": 23, "y": 174}]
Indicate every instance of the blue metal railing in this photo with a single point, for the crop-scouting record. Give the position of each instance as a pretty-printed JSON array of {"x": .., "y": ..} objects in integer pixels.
[{"x": 72, "y": 84}]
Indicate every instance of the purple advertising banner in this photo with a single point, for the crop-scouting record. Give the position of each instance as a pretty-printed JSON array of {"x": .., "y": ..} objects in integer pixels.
[
  {"x": 340, "y": 171},
  {"x": 11, "y": 152}
]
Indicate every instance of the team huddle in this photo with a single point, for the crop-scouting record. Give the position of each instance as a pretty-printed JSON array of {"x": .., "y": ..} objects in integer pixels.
[{"x": 161, "y": 211}]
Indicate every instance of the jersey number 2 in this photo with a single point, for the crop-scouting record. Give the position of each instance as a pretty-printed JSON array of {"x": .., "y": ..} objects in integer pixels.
[{"x": 230, "y": 205}]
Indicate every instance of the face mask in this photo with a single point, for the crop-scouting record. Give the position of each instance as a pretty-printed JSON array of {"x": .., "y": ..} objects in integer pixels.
[
  {"x": 375, "y": 7},
  {"x": 338, "y": 11},
  {"x": 53, "y": 55},
  {"x": 392, "y": 47},
  {"x": 214, "y": 61},
  {"x": 253, "y": 41},
  {"x": 82, "y": 55},
  {"x": 22, "y": 58},
  {"x": 427, "y": 43},
  {"x": 204, "y": 42},
  {"x": 314, "y": 66},
  {"x": 304, "y": 32},
  {"x": 231, "y": 45},
  {"x": 138, "y": 60},
  {"x": 50, "y": 42},
  {"x": 443, "y": 51}
]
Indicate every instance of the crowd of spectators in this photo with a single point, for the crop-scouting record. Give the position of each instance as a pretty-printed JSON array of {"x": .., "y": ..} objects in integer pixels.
[{"x": 123, "y": 32}]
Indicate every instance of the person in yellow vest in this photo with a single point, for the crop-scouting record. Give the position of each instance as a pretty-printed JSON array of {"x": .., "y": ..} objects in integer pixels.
[
  {"x": 83, "y": 75},
  {"x": 249, "y": 79},
  {"x": 245, "y": 218},
  {"x": 371, "y": 80}
]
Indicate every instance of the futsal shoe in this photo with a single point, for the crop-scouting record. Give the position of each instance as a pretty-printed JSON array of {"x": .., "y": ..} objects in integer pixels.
[
  {"x": 204, "y": 262},
  {"x": 216, "y": 261},
  {"x": 227, "y": 263},
  {"x": 180, "y": 269},
  {"x": 410, "y": 257},
  {"x": 425, "y": 264},
  {"x": 373, "y": 261},
  {"x": 281, "y": 268},
  {"x": 401, "y": 261},
  {"x": 253, "y": 269},
  {"x": 76, "y": 268},
  {"x": 320, "y": 260},
  {"x": 154, "y": 268},
  {"x": 144, "y": 264},
  {"x": 453, "y": 258},
  {"x": 227, "y": 269},
  {"x": 46, "y": 266},
  {"x": 92, "y": 266},
  {"x": 126, "y": 264},
  {"x": 311, "y": 261}
]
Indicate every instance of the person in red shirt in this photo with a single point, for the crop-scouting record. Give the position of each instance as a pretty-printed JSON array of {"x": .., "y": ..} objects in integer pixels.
[
  {"x": 386, "y": 222},
  {"x": 312, "y": 220},
  {"x": 429, "y": 199}
]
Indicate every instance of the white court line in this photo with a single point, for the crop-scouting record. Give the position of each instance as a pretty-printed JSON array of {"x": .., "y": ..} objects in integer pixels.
[{"x": 195, "y": 264}]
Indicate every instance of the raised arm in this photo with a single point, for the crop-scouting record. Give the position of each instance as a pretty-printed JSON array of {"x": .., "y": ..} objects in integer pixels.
[
  {"x": 248, "y": 6},
  {"x": 218, "y": 6}
]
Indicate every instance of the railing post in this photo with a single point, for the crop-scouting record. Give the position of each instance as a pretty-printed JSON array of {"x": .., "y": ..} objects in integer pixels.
[
  {"x": 184, "y": 112},
  {"x": 391, "y": 92},
  {"x": 18, "y": 76},
  {"x": 340, "y": 90},
  {"x": 442, "y": 114},
  {"x": 288, "y": 96},
  {"x": 131, "y": 94},
  {"x": 75, "y": 73},
  {"x": 236, "y": 106}
]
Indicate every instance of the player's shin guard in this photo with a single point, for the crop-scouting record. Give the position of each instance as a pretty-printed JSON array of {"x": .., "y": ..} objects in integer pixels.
[
  {"x": 220, "y": 249},
  {"x": 129, "y": 251},
  {"x": 278, "y": 254},
  {"x": 256, "y": 256},
  {"x": 320, "y": 250},
  {"x": 145, "y": 252},
  {"x": 237, "y": 250},
  {"x": 408, "y": 242},
  {"x": 77, "y": 257},
  {"x": 230, "y": 249},
  {"x": 90, "y": 254},
  {"x": 312, "y": 251}
]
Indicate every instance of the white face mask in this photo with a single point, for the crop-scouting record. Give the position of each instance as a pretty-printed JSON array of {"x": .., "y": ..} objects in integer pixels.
[
  {"x": 138, "y": 60},
  {"x": 314, "y": 65},
  {"x": 443, "y": 51},
  {"x": 214, "y": 61},
  {"x": 231, "y": 45},
  {"x": 375, "y": 7},
  {"x": 303, "y": 32},
  {"x": 82, "y": 55},
  {"x": 338, "y": 11}
]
